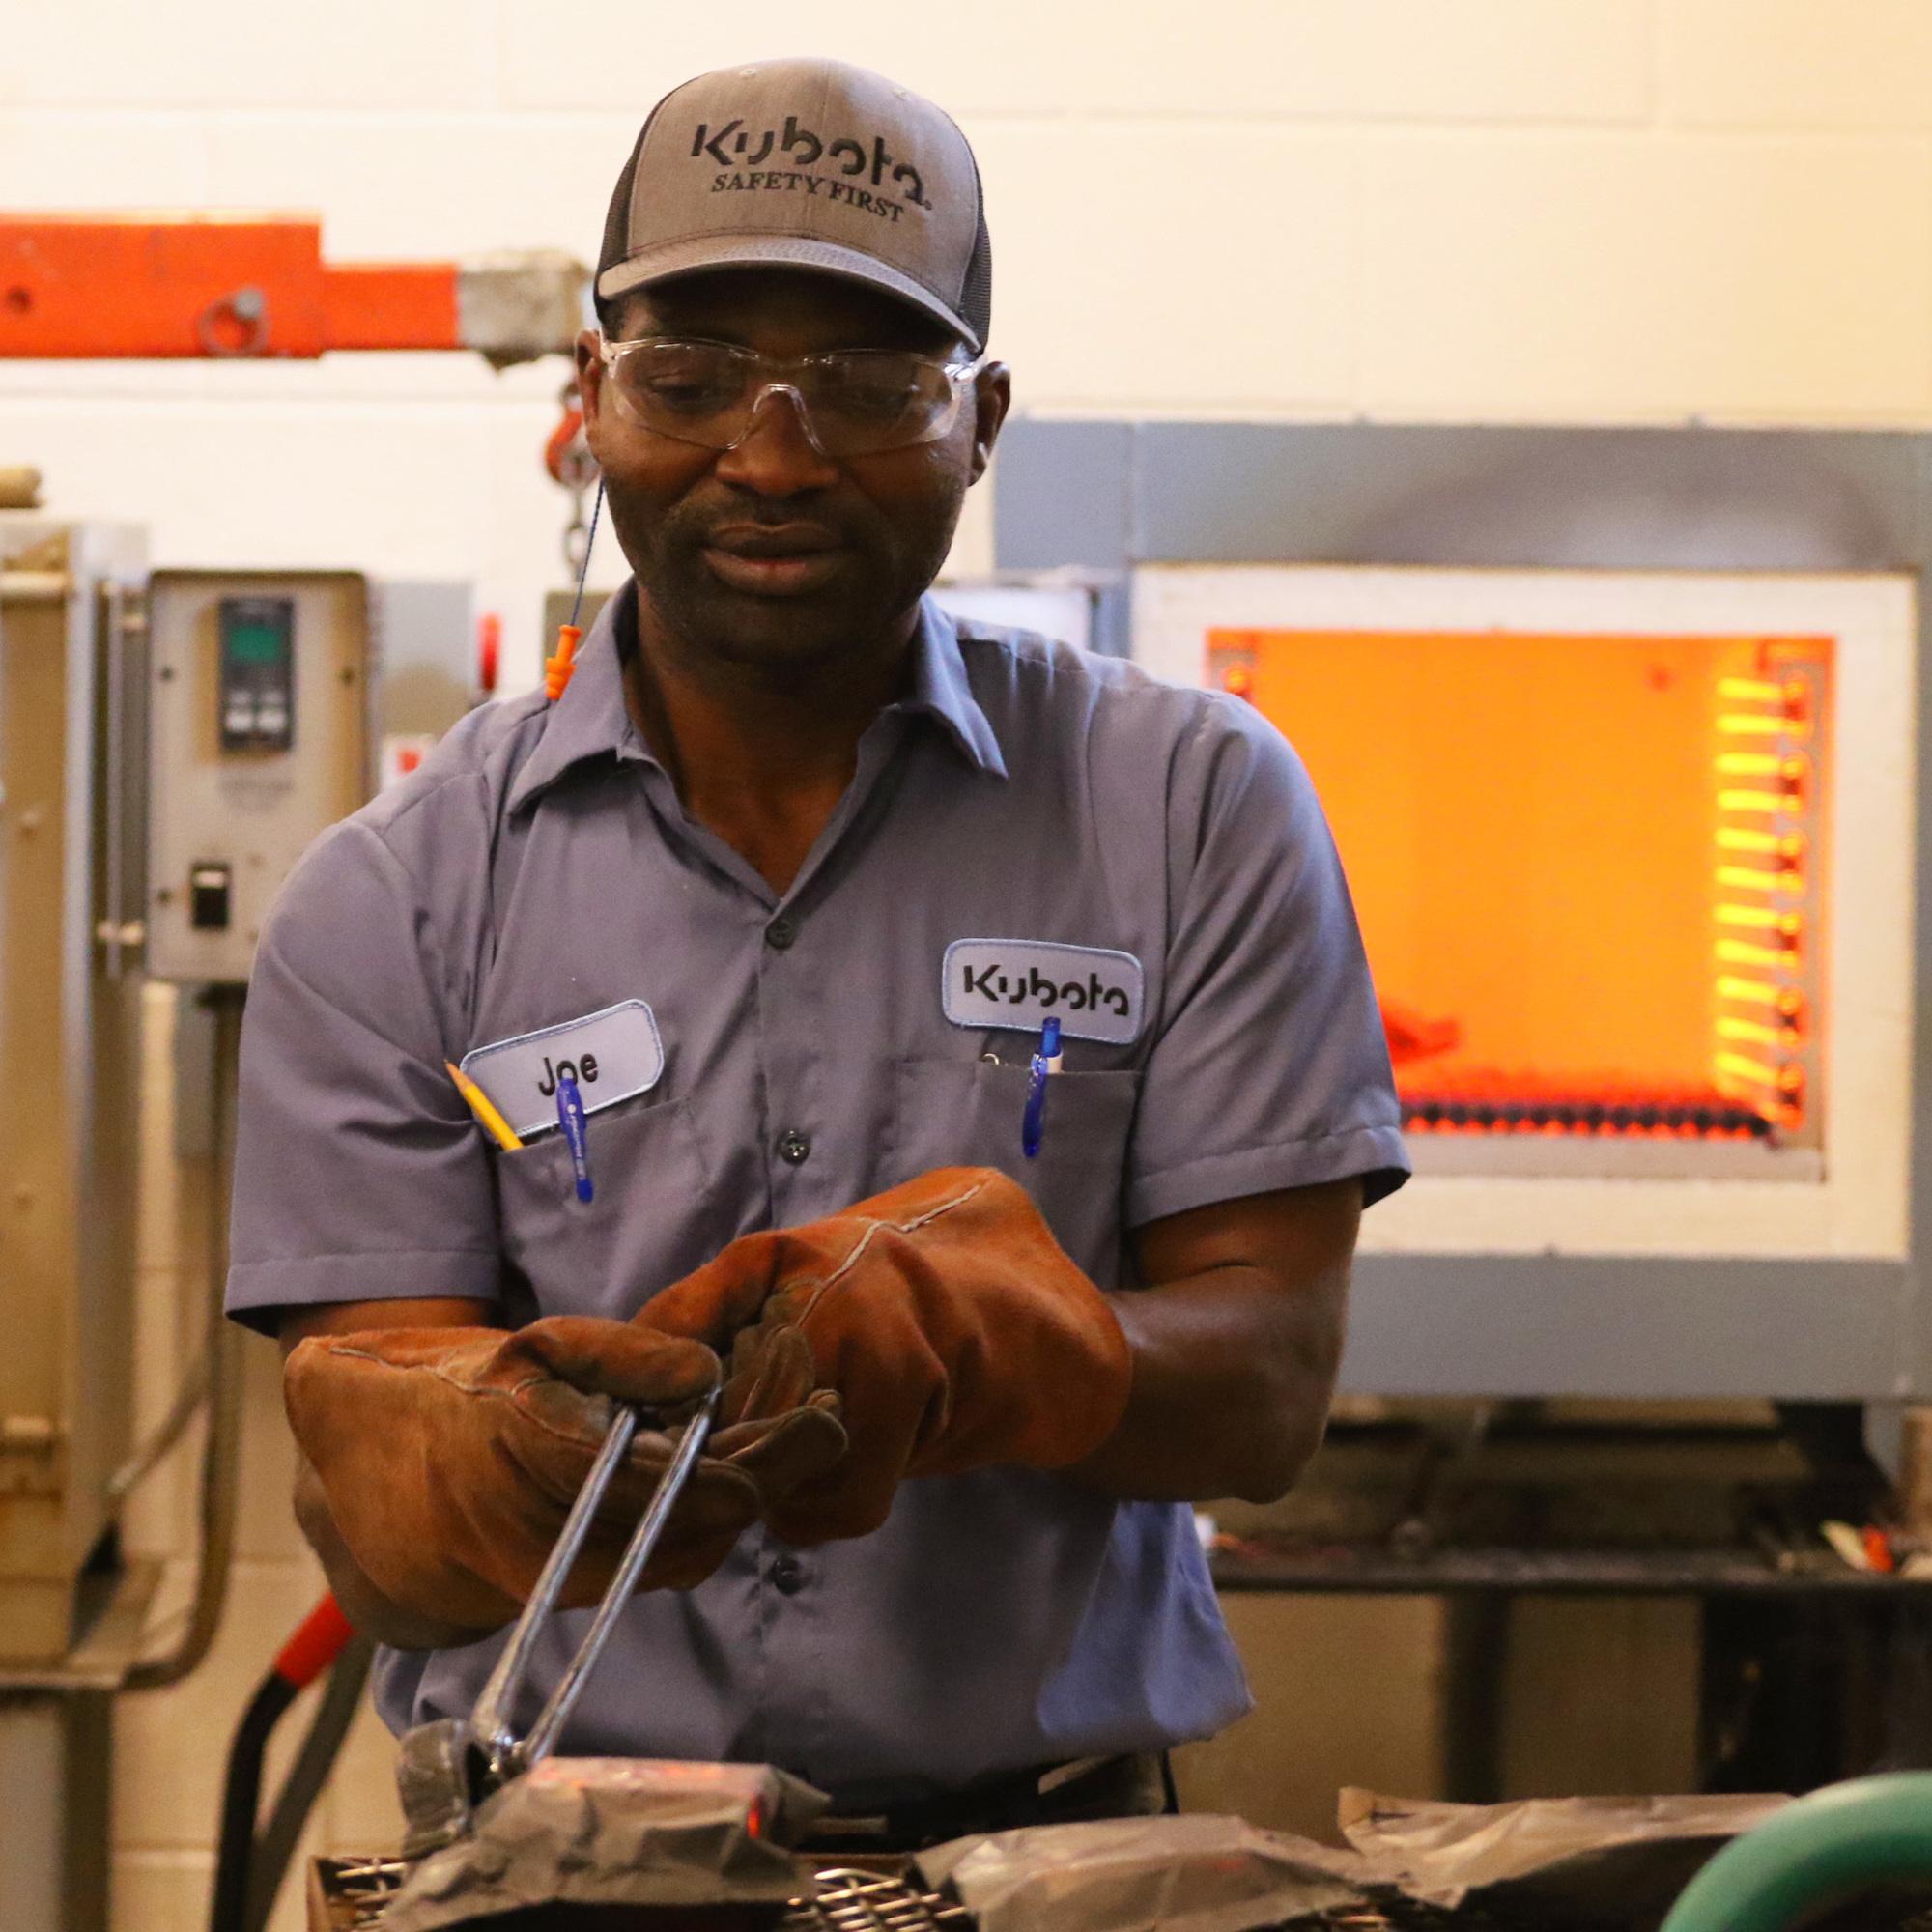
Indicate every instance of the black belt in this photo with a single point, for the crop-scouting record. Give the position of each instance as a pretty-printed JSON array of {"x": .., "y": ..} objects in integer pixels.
[{"x": 1137, "y": 1784}]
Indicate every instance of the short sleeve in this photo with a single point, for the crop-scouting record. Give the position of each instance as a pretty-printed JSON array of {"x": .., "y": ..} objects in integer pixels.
[
  {"x": 1270, "y": 1068},
  {"x": 358, "y": 1172}
]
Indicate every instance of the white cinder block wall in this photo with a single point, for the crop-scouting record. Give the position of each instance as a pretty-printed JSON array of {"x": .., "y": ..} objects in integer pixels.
[
  {"x": 1605, "y": 211},
  {"x": 1558, "y": 209}
]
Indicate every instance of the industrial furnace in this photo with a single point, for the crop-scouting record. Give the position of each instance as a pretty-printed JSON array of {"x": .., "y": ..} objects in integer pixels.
[
  {"x": 1620, "y": 736},
  {"x": 71, "y": 680}
]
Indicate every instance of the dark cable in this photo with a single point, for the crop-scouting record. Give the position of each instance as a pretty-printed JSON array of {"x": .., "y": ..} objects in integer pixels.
[
  {"x": 590, "y": 539},
  {"x": 235, "y": 1850},
  {"x": 276, "y": 1848},
  {"x": 221, "y": 1450}
]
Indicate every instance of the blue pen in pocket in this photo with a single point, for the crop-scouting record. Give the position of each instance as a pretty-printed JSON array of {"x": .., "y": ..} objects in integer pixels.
[
  {"x": 1041, "y": 1068},
  {"x": 570, "y": 1118}
]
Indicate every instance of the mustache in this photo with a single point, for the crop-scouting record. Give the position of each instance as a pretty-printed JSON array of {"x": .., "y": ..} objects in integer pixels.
[{"x": 693, "y": 526}]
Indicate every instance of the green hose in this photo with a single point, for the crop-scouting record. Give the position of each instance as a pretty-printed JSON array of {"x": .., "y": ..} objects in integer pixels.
[{"x": 1818, "y": 1852}]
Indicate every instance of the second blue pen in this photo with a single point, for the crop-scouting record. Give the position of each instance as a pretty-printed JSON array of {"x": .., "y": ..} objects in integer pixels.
[
  {"x": 1045, "y": 1064},
  {"x": 570, "y": 1118}
]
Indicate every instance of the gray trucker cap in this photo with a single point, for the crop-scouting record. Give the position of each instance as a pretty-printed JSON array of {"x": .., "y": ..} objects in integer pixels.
[{"x": 805, "y": 164}]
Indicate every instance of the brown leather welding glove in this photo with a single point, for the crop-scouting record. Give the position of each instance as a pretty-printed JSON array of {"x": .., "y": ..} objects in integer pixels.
[
  {"x": 450, "y": 1457},
  {"x": 956, "y": 1331}
]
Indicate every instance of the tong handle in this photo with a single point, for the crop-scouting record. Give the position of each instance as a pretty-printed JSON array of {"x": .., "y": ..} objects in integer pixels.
[
  {"x": 556, "y": 1714},
  {"x": 505, "y": 1755}
]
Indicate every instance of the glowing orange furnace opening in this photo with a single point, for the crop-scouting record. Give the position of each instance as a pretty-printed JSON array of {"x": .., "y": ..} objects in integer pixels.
[{"x": 1588, "y": 869}]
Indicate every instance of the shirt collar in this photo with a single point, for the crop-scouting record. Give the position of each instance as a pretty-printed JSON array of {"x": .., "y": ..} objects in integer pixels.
[
  {"x": 941, "y": 690},
  {"x": 590, "y": 721}
]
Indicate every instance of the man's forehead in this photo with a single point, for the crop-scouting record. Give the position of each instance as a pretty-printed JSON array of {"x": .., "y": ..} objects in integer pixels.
[{"x": 744, "y": 304}]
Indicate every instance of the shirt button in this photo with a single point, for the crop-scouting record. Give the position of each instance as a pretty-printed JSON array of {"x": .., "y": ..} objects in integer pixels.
[
  {"x": 788, "y": 1576},
  {"x": 794, "y": 1147},
  {"x": 779, "y": 934}
]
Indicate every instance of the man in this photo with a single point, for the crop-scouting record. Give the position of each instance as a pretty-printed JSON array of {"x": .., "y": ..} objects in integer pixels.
[{"x": 781, "y": 894}]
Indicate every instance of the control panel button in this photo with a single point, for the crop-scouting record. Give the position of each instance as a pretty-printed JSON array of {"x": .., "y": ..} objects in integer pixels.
[{"x": 209, "y": 908}]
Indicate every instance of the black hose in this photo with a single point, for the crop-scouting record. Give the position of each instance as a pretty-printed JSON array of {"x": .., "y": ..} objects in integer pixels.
[
  {"x": 250, "y": 1866},
  {"x": 241, "y": 1792},
  {"x": 276, "y": 1848}
]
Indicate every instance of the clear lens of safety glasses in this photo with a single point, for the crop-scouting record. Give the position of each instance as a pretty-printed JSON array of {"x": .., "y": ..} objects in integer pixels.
[{"x": 854, "y": 401}]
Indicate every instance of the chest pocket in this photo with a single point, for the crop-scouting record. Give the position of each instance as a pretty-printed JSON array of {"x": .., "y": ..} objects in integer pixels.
[
  {"x": 641, "y": 1230},
  {"x": 953, "y": 1113}
]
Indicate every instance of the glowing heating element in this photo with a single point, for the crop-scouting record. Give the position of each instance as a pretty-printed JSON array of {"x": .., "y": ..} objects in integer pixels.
[
  {"x": 1588, "y": 867},
  {"x": 1766, "y": 918}
]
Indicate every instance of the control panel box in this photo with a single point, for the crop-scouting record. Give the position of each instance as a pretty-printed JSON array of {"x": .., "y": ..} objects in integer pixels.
[{"x": 258, "y": 740}]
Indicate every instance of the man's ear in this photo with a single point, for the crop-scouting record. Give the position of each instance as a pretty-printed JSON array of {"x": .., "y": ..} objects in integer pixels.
[
  {"x": 992, "y": 397},
  {"x": 590, "y": 383}
]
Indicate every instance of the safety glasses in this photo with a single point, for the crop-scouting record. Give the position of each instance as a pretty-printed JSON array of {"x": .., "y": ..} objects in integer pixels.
[{"x": 852, "y": 402}]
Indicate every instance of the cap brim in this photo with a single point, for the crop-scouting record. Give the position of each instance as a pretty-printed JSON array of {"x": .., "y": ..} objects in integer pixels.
[{"x": 777, "y": 251}]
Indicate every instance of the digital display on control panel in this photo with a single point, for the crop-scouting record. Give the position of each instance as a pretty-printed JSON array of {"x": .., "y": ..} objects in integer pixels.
[
  {"x": 256, "y": 644},
  {"x": 258, "y": 682}
]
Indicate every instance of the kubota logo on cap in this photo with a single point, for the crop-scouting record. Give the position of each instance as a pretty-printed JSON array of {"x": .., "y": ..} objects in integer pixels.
[{"x": 803, "y": 161}]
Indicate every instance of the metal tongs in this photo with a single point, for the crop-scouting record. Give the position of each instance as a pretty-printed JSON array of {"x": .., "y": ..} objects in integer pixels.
[{"x": 449, "y": 1766}]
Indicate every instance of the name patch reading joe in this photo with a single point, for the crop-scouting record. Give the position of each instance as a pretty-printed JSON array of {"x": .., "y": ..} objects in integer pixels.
[
  {"x": 611, "y": 1055},
  {"x": 1094, "y": 992}
]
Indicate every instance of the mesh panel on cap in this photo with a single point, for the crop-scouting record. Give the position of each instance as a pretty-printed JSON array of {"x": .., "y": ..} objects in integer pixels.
[
  {"x": 976, "y": 290},
  {"x": 617, "y": 219}
]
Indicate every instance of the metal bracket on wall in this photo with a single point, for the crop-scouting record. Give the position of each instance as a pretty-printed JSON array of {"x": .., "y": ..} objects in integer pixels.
[
  {"x": 31, "y": 1458},
  {"x": 45, "y": 562}
]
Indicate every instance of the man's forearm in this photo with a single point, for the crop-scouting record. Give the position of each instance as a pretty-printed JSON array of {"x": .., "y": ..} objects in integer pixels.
[
  {"x": 363, "y": 1603},
  {"x": 1232, "y": 1380}
]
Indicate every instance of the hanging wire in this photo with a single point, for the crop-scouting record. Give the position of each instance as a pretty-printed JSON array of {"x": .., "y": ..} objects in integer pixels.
[
  {"x": 590, "y": 539},
  {"x": 561, "y": 663}
]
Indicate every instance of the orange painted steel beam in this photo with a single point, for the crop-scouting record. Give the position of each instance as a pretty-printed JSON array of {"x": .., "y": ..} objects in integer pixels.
[
  {"x": 198, "y": 285},
  {"x": 390, "y": 306}
]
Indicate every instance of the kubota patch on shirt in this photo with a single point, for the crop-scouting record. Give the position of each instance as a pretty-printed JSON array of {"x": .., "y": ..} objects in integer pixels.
[
  {"x": 1094, "y": 992},
  {"x": 611, "y": 1055}
]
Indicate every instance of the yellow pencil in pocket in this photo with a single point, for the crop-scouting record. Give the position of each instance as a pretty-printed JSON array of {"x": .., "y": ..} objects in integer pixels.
[{"x": 484, "y": 1108}]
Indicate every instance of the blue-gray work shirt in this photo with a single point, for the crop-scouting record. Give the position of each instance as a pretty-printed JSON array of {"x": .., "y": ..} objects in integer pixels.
[{"x": 539, "y": 868}]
